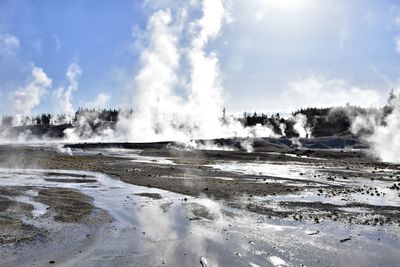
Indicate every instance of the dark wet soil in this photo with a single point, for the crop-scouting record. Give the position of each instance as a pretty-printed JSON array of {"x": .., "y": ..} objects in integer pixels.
[
  {"x": 60, "y": 180},
  {"x": 150, "y": 195},
  {"x": 64, "y": 205},
  {"x": 68, "y": 205},
  {"x": 13, "y": 229}
]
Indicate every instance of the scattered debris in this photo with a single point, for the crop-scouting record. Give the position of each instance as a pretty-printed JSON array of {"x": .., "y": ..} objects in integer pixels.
[
  {"x": 238, "y": 254},
  {"x": 314, "y": 233},
  {"x": 345, "y": 239},
  {"x": 203, "y": 261}
]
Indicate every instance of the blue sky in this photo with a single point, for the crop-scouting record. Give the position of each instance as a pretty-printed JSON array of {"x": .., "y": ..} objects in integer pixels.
[{"x": 274, "y": 55}]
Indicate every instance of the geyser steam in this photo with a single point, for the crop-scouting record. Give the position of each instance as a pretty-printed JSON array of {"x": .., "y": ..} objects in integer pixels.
[
  {"x": 161, "y": 114},
  {"x": 382, "y": 131},
  {"x": 176, "y": 57},
  {"x": 29, "y": 96},
  {"x": 63, "y": 97}
]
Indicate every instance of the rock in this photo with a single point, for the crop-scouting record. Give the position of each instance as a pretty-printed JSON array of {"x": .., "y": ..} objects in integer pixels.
[{"x": 203, "y": 261}]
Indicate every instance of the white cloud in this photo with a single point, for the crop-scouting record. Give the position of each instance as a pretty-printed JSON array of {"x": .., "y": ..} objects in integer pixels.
[
  {"x": 382, "y": 76},
  {"x": 8, "y": 43},
  {"x": 99, "y": 102},
  {"x": 319, "y": 91},
  {"x": 396, "y": 26},
  {"x": 29, "y": 96},
  {"x": 343, "y": 34},
  {"x": 396, "y": 16},
  {"x": 57, "y": 43},
  {"x": 397, "y": 40}
]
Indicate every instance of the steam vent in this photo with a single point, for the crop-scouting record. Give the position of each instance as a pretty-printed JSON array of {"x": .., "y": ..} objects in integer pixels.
[{"x": 199, "y": 133}]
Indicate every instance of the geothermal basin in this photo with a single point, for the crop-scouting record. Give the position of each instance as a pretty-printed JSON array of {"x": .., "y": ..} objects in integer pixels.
[{"x": 168, "y": 206}]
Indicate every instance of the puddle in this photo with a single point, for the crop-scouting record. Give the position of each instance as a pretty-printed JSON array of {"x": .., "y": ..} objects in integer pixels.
[
  {"x": 375, "y": 192},
  {"x": 132, "y": 154},
  {"x": 295, "y": 156},
  {"x": 26, "y": 197},
  {"x": 287, "y": 170},
  {"x": 60, "y": 180},
  {"x": 292, "y": 171},
  {"x": 276, "y": 261}
]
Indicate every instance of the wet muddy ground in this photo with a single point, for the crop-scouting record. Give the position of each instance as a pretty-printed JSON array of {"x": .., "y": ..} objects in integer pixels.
[{"x": 163, "y": 206}]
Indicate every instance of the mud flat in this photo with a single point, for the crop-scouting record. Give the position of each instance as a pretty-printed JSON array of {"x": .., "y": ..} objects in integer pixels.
[{"x": 169, "y": 206}]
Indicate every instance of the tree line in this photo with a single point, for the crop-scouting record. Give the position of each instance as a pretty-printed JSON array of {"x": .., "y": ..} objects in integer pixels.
[
  {"x": 104, "y": 115},
  {"x": 321, "y": 121}
]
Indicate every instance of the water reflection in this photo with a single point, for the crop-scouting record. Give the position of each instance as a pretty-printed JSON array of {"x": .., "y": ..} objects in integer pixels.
[{"x": 177, "y": 230}]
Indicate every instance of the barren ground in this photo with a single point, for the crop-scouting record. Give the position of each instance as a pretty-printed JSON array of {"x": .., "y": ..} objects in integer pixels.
[{"x": 316, "y": 186}]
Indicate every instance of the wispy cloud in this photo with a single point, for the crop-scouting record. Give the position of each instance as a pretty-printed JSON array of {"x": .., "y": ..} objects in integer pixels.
[
  {"x": 320, "y": 91},
  {"x": 57, "y": 43},
  {"x": 382, "y": 76},
  {"x": 8, "y": 43},
  {"x": 371, "y": 18},
  {"x": 397, "y": 40},
  {"x": 396, "y": 26},
  {"x": 396, "y": 17},
  {"x": 343, "y": 34},
  {"x": 99, "y": 102},
  {"x": 38, "y": 46}
]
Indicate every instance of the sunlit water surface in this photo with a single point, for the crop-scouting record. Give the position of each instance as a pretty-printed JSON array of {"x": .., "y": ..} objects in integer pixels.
[{"x": 178, "y": 230}]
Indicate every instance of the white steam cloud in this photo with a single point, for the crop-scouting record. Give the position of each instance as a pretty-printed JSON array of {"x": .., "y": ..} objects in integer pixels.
[
  {"x": 300, "y": 126},
  {"x": 156, "y": 104},
  {"x": 381, "y": 132},
  {"x": 320, "y": 91},
  {"x": 29, "y": 96},
  {"x": 99, "y": 102},
  {"x": 175, "y": 44},
  {"x": 63, "y": 97},
  {"x": 176, "y": 57}
]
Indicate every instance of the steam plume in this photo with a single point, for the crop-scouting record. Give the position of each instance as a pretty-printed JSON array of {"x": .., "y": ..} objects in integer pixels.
[
  {"x": 99, "y": 102},
  {"x": 161, "y": 114},
  {"x": 29, "y": 96},
  {"x": 300, "y": 126},
  {"x": 382, "y": 132},
  {"x": 157, "y": 106},
  {"x": 63, "y": 97}
]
